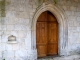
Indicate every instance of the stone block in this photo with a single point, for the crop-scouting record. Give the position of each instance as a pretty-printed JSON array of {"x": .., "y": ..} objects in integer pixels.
[
  {"x": 22, "y": 54},
  {"x": 73, "y": 8},
  {"x": 34, "y": 6},
  {"x": 4, "y": 38},
  {"x": 0, "y": 54},
  {"x": 0, "y": 0},
  {"x": 0, "y": 27},
  {"x": 62, "y": 2},
  {"x": 28, "y": 33},
  {"x": 3, "y": 27},
  {"x": 2, "y": 46},
  {"x": 75, "y": 4},
  {"x": 8, "y": 47},
  {"x": 71, "y": 18},
  {"x": 78, "y": 8},
  {"x": 22, "y": 27},
  {"x": 9, "y": 58},
  {"x": 15, "y": 47},
  {"x": 22, "y": 14},
  {"x": 22, "y": 21},
  {"x": 8, "y": 32},
  {"x": 8, "y": 54},
  {"x": 78, "y": 29},
  {"x": 66, "y": 7},
  {"x": 21, "y": 8},
  {"x": 76, "y": 24},
  {"x": 11, "y": 20},
  {"x": 4, "y": 21},
  {"x": 68, "y": 13},
  {"x": 22, "y": 46},
  {"x": 10, "y": 13},
  {"x": 76, "y": 1},
  {"x": 22, "y": 34},
  {"x": 10, "y": 27},
  {"x": 14, "y": 33},
  {"x": 77, "y": 14},
  {"x": 68, "y": 3},
  {"x": 78, "y": 41},
  {"x": 18, "y": 27},
  {"x": 28, "y": 40},
  {"x": 78, "y": 19},
  {"x": 20, "y": 39},
  {"x": 0, "y": 20},
  {"x": 0, "y": 13},
  {"x": 0, "y": 39},
  {"x": 1, "y": 32},
  {"x": 71, "y": 23},
  {"x": 8, "y": 0}
]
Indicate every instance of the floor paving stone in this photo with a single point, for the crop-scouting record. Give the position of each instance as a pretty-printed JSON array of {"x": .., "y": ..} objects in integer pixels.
[{"x": 73, "y": 57}]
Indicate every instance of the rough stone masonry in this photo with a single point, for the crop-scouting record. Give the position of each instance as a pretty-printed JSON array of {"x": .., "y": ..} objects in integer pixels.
[{"x": 16, "y": 18}]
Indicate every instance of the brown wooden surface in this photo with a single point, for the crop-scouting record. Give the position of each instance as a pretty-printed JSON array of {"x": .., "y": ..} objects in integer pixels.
[
  {"x": 46, "y": 35},
  {"x": 52, "y": 39},
  {"x": 52, "y": 35},
  {"x": 41, "y": 39}
]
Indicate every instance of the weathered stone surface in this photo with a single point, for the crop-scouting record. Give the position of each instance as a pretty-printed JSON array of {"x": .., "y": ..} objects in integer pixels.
[
  {"x": 2, "y": 46},
  {"x": 8, "y": 54},
  {"x": 4, "y": 38},
  {"x": 8, "y": 47},
  {"x": 0, "y": 54},
  {"x": 15, "y": 47},
  {"x": 21, "y": 54},
  {"x": 10, "y": 27},
  {"x": 18, "y": 22},
  {"x": 73, "y": 57}
]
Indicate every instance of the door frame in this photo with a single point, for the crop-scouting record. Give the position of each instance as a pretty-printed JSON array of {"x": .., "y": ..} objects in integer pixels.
[{"x": 62, "y": 27}]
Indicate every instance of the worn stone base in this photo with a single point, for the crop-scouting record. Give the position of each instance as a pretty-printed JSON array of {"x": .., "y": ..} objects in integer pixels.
[{"x": 73, "y": 57}]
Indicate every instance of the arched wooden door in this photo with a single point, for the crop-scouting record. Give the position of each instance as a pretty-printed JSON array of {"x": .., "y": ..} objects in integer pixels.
[{"x": 47, "y": 35}]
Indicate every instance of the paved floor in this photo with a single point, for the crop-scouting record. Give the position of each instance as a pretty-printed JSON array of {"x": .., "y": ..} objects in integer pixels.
[{"x": 73, "y": 57}]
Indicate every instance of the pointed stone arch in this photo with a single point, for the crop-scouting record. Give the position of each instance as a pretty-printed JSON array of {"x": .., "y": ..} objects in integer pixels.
[{"x": 63, "y": 27}]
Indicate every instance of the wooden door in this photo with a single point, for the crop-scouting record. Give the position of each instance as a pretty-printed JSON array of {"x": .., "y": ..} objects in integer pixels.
[
  {"x": 52, "y": 35},
  {"x": 46, "y": 35},
  {"x": 52, "y": 41},
  {"x": 41, "y": 35}
]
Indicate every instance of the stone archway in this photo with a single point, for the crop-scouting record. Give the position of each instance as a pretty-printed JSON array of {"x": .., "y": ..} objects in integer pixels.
[{"x": 63, "y": 27}]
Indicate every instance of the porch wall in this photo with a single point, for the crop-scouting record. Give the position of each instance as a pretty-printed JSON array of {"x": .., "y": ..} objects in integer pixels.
[{"x": 17, "y": 21}]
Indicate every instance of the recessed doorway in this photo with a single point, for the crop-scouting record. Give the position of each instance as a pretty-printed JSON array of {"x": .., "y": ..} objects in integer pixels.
[{"x": 47, "y": 35}]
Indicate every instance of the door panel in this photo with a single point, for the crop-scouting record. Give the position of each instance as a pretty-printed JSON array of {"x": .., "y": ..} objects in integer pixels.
[
  {"x": 52, "y": 42},
  {"x": 41, "y": 38},
  {"x": 52, "y": 35},
  {"x": 41, "y": 49},
  {"x": 47, "y": 35},
  {"x": 42, "y": 17},
  {"x": 50, "y": 17},
  {"x": 52, "y": 49},
  {"x": 52, "y": 32}
]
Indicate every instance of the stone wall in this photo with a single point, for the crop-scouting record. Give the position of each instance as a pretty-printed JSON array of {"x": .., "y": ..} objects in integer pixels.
[
  {"x": 72, "y": 10},
  {"x": 16, "y": 20}
]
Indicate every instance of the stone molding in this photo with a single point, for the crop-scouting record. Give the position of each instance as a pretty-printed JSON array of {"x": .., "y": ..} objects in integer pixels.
[{"x": 63, "y": 27}]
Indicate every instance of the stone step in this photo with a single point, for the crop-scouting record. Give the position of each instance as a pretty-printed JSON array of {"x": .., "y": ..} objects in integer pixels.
[
  {"x": 60, "y": 59},
  {"x": 74, "y": 57}
]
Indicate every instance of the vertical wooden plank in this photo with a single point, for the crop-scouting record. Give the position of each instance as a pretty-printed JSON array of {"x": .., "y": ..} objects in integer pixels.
[
  {"x": 41, "y": 34},
  {"x": 52, "y": 35}
]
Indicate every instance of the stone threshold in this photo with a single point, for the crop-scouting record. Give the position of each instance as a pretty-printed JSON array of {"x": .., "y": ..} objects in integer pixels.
[{"x": 72, "y": 57}]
